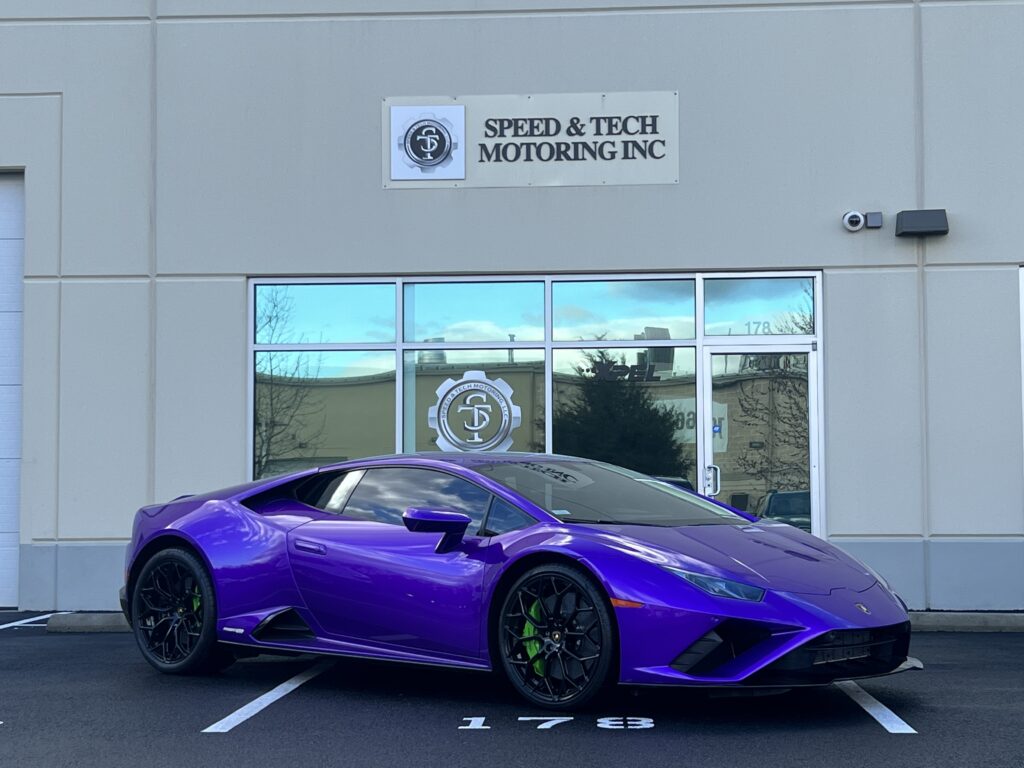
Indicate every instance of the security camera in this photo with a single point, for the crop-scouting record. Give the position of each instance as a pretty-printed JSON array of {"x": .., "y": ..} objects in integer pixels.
[{"x": 853, "y": 220}]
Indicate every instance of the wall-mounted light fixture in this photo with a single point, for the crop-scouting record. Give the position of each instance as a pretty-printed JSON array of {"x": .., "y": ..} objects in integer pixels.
[{"x": 922, "y": 223}]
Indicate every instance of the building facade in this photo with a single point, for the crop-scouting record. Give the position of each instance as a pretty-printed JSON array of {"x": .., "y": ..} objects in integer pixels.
[{"x": 243, "y": 236}]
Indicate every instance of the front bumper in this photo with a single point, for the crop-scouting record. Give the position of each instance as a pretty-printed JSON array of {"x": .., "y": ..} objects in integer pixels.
[{"x": 786, "y": 640}]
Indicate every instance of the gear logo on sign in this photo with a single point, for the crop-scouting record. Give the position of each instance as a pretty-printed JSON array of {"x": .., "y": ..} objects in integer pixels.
[
  {"x": 474, "y": 414},
  {"x": 427, "y": 143}
]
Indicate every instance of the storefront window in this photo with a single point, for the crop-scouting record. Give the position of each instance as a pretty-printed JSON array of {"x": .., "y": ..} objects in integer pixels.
[
  {"x": 325, "y": 314},
  {"x": 628, "y": 406},
  {"x": 314, "y": 408},
  {"x": 623, "y": 310},
  {"x": 474, "y": 312},
  {"x": 616, "y": 369},
  {"x": 474, "y": 399},
  {"x": 759, "y": 306}
]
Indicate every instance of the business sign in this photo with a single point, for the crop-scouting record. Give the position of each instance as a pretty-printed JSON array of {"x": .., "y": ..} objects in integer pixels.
[{"x": 567, "y": 139}]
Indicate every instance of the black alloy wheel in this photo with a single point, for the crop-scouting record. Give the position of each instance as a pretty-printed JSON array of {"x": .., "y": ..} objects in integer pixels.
[
  {"x": 556, "y": 639},
  {"x": 174, "y": 615}
]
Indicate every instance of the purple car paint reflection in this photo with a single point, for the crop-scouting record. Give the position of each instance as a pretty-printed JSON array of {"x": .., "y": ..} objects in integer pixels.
[{"x": 551, "y": 568}]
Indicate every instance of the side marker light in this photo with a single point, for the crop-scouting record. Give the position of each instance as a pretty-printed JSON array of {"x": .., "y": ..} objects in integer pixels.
[{"x": 619, "y": 603}]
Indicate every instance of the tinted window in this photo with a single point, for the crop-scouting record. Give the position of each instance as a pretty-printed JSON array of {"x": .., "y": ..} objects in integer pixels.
[
  {"x": 384, "y": 494},
  {"x": 584, "y": 492},
  {"x": 504, "y": 518}
]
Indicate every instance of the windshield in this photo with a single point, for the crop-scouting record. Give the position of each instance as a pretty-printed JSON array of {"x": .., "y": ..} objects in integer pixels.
[{"x": 590, "y": 492}]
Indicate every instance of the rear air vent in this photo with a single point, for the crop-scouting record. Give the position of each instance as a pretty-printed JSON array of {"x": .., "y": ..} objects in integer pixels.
[{"x": 282, "y": 627}]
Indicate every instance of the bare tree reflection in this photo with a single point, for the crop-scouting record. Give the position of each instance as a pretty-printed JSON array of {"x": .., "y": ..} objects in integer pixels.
[{"x": 289, "y": 419}]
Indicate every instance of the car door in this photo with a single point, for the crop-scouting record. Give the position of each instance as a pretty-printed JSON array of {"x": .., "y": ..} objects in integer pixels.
[{"x": 367, "y": 579}]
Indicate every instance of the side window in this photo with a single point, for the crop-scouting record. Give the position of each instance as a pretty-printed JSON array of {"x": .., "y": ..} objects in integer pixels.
[
  {"x": 503, "y": 518},
  {"x": 384, "y": 494}
]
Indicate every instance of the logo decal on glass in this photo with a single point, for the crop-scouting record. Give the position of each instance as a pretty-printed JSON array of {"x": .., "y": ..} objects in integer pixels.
[{"x": 474, "y": 414}]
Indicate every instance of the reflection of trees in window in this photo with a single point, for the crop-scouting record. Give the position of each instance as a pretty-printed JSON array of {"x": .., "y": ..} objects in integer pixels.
[
  {"x": 772, "y": 401},
  {"x": 799, "y": 321},
  {"x": 618, "y": 420},
  {"x": 288, "y": 418}
]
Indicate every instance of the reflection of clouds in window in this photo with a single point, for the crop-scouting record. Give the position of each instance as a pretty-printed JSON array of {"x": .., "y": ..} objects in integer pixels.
[
  {"x": 759, "y": 306},
  {"x": 474, "y": 311},
  {"x": 477, "y": 330},
  {"x": 459, "y": 359},
  {"x": 622, "y": 309},
  {"x": 384, "y": 495},
  {"x": 325, "y": 313}
]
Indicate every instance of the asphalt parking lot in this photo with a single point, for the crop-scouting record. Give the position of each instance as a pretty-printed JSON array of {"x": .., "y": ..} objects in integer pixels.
[{"x": 91, "y": 700}]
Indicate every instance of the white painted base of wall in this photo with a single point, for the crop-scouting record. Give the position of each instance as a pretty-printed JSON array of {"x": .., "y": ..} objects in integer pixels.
[
  {"x": 71, "y": 576},
  {"x": 948, "y": 574}
]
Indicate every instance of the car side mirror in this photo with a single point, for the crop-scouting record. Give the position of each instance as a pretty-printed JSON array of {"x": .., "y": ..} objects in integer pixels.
[{"x": 452, "y": 524}]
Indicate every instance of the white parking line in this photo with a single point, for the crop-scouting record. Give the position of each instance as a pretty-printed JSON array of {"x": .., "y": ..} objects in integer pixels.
[
  {"x": 885, "y": 716},
  {"x": 258, "y": 705},
  {"x": 31, "y": 620}
]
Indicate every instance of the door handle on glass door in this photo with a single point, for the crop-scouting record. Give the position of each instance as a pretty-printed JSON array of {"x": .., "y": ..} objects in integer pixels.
[{"x": 713, "y": 474}]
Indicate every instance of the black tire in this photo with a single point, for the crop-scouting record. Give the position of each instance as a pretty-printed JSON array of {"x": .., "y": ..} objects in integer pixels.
[
  {"x": 174, "y": 615},
  {"x": 555, "y": 637}
]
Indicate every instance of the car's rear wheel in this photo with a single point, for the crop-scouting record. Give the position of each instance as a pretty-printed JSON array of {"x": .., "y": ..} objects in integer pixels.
[
  {"x": 555, "y": 637},
  {"x": 174, "y": 615}
]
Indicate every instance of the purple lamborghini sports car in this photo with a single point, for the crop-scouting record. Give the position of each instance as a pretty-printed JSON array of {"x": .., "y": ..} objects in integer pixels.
[{"x": 564, "y": 573}]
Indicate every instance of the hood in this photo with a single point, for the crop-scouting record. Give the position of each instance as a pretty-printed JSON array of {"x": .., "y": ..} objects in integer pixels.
[{"x": 769, "y": 555}]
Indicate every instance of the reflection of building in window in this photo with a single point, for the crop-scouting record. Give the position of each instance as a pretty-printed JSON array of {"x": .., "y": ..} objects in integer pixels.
[
  {"x": 431, "y": 355},
  {"x": 662, "y": 358}
]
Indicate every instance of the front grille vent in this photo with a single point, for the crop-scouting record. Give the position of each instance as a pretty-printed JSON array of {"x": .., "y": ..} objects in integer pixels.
[{"x": 838, "y": 655}]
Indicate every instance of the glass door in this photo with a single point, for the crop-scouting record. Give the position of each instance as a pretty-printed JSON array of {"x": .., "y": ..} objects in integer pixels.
[{"x": 760, "y": 449}]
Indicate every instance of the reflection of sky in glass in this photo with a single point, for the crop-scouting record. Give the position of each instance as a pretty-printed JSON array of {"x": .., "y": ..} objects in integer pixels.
[
  {"x": 758, "y": 306},
  {"x": 474, "y": 311},
  {"x": 325, "y": 365},
  {"x": 464, "y": 358},
  {"x": 622, "y": 309},
  {"x": 322, "y": 314},
  {"x": 672, "y": 362}
]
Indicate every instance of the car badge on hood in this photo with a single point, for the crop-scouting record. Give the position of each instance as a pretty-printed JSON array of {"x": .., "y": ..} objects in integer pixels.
[{"x": 863, "y": 608}]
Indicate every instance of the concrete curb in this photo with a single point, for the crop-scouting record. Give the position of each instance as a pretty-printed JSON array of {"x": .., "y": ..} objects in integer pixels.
[
  {"x": 921, "y": 621},
  {"x": 87, "y": 622},
  {"x": 962, "y": 621}
]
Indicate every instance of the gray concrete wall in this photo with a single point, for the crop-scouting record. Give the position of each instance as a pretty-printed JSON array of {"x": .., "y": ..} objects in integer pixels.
[{"x": 173, "y": 148}]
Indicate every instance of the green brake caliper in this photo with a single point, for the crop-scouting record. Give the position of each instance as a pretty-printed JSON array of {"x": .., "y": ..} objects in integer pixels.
[{"x": 533, "y": 647}]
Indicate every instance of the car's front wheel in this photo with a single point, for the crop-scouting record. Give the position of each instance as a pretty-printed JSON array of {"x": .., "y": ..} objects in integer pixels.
[
  {"x": 556, "y": 640},
  {"x": 174, "y": 615}
]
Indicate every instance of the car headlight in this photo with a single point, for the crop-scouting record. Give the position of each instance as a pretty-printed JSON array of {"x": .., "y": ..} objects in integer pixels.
[{"x": 718, "y": 587}]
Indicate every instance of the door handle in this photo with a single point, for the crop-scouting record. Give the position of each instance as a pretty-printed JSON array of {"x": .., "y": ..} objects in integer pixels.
[
  {"x": 310, "y": 546},
  {"x": 713, "y": 475}
]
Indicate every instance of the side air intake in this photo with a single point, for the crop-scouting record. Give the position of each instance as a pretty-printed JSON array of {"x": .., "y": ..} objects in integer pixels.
[{"x": 282, "y": 626}]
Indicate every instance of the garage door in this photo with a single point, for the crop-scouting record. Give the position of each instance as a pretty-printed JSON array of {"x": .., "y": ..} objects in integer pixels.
[{"x": 12, "y": 249}]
